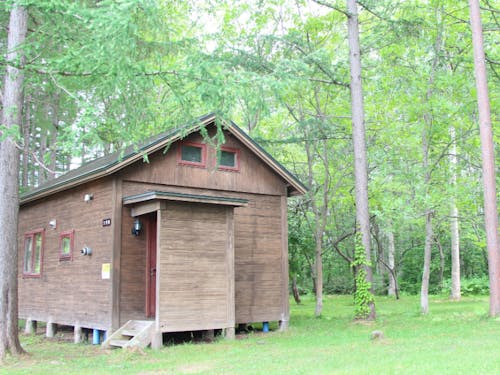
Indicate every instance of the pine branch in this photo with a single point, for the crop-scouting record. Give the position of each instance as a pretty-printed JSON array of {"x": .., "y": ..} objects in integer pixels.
[
  {"x": 332, "y": 6},
  {"x": 371, "y": 11}
]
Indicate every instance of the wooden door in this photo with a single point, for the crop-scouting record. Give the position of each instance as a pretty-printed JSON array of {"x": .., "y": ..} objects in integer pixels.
[{"x": 151, "y": 229}]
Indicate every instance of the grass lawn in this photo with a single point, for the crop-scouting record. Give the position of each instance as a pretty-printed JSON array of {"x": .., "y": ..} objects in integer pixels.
[{"x": 454, "y": 338}]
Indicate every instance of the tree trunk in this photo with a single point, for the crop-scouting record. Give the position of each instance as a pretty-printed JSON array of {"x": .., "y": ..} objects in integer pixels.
[
  {"x": 42, "y": 173},
  {"x": 319, "y": 278},
  {"x": 9, "y": 185},
  {"x": 455, "y": 244},
  {"x": 26, "y": 130},
  {"x": 426, "y": 145},
  {"x": 441, "y": 263},
  {"x": 358, "y": 138},
  {"x": 391, "y": 249},
  {"x": 295, "y": 290},
  {"x": 54, "y": 118},
  {"x": 424, "y": 292},
  {"x": 488, "y": 159},
  {"x": 320, "y": 216}
]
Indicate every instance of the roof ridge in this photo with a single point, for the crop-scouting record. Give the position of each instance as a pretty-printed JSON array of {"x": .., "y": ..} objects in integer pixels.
[{"x": 109, "y": 164}]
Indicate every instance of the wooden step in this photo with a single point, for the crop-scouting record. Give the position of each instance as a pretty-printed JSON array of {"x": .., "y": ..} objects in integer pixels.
[
  {"x": 130, "y": 332},
  {"x": 119, "y": 343},
  {"x": 135, "y": 333}
]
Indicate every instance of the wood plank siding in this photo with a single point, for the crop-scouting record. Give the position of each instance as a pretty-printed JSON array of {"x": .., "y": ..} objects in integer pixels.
[
  {"x": 253, "y": 176},
  {"x": 194, "y": 263},
  {"x": 259, "y": 241},
  {"x": 220, "y": 241},
  {"x": 70, "y": 291},
  {"x": 132, "y": 272}
]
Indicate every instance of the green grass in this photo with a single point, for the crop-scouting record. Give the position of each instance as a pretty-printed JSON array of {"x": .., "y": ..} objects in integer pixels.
[{"x": 454, "y": 338}]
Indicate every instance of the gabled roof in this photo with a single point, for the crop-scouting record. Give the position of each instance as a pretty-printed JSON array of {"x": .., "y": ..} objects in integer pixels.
[{"x": 112, "y": 163}]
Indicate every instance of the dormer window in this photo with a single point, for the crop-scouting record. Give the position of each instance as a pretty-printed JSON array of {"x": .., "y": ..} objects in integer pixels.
[
  {"x": 229, "y": 159},
  {"x": 193, "y": 154}
]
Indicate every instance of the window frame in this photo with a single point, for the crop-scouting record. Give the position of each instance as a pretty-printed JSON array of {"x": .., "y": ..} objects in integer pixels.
[
  {"x": 32, "y": 235},
  {"x": 236, "y": 153},
  {"x": 201, "y": 146},
  {"x": 71, "y": 235}
]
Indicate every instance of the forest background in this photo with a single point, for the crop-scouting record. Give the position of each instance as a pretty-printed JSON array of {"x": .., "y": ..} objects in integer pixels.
[{"x": 101, "y": 75}]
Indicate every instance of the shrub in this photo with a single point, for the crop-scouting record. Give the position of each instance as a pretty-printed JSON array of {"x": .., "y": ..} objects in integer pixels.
[
  {"x": 341, "y": 284},
  {"x": 478, "y": 286}
]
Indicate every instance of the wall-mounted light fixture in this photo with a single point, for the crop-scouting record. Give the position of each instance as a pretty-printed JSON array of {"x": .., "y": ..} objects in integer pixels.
[
  {"x": 137, "y": 227},
  {"x": 53, "y": 224},
  {"x": 88, "y": 197},
  {"x": 86, "y": 251}
]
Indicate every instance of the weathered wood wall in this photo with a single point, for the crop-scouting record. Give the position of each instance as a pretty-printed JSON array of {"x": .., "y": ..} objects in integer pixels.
[
  {"x": 195, "y": 264},
  {"x": 260, "y": 241},
  {"x": 132, "y": 272},
  {"x": 73, "y": 292},
  {"x": 258, "y": 252},
  {"x": 69, "y": 291},
  {"x": 253, "y": 177}
]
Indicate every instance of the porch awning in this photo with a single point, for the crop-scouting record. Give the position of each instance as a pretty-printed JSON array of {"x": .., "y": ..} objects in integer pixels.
[{"x": 151, "y": 201}]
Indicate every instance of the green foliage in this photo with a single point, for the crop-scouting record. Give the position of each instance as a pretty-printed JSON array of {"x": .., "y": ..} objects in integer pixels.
[
  {"x": 105, "y": 74},
  {"x": 475, "y": 286},
  {"x": 9, "y": 132},
  {"x": 363, "y": 296}
]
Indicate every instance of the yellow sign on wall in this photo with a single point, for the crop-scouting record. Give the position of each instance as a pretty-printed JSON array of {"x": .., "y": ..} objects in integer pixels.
[{"x": 106, "y": 271}]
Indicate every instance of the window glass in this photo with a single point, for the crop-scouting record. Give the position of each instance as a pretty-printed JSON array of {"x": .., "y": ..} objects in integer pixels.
[
  {"x": 191, "y": 154},
  {"x": 228, "y": 159},
  {"x": 38, "y": 253},
  {"x": 28, "y": 243},
  {"x": 33, "y": 250},
  {"x": 66, "y": 245}
]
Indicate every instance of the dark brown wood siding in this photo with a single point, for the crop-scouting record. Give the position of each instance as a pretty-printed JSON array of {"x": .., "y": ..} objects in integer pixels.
[
  {"x": 73, "y": 292},
  {"x": 194, "y": 264},
  {"x": 70, "y": 291},
  {"x": 258, "y": 255},
  {"x": 259, "y": 229},
  {"x": 132, "y": 271},
  {"x": 252, "y": 177}
]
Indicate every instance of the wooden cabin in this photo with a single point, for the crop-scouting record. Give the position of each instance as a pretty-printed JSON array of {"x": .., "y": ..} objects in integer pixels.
[{"x": 191, "y": 239}]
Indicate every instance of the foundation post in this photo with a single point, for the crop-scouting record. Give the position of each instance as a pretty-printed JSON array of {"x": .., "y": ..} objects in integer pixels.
[
  {"x": 30, "y": 328},
  {"x": 157, "y": 340},
  {"x": 51, "y": 329},
  {"x": 77, "y": 334}
]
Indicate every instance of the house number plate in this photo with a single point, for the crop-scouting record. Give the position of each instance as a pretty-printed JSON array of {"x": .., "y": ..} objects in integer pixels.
[{"x": 106, "y": 222}]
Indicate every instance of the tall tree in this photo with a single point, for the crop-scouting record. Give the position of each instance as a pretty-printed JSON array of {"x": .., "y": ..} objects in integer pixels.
[
  {"x": 359, "y": 138},
  {"x": 9, "y": 180},
  {"x": 454, "y": 224},
  {"x": 488, "y": 159}
]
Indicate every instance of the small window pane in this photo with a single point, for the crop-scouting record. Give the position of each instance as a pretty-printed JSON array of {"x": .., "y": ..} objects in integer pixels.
[
  {"x": 191, "y": 154},
  {"x": 38, "y": 253},
  {"x": 66, "y": 246},
  {"x": 228, "y": 159},
  {"x": 27, "y": 254}
]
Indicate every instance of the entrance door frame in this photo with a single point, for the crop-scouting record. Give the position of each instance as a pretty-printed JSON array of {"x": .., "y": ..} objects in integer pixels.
[{"x": 151, "y": 254}]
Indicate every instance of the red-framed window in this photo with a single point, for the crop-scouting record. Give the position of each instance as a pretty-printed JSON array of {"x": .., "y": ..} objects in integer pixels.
[
  {"x": 66, "y": 245},
  {"x": 191, "y": 153},
  {"x": 33, "y": 253},
  {"x": 229, "y": 159}
]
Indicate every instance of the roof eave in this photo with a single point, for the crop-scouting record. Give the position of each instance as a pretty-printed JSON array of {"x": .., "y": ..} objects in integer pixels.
[{"x": 294, "y": 188}]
